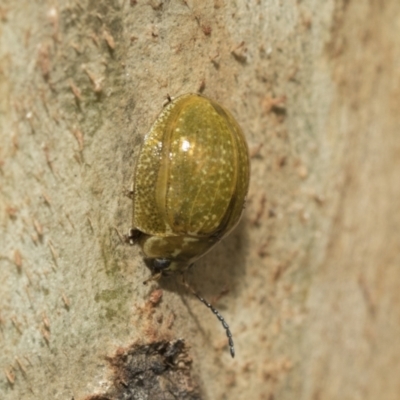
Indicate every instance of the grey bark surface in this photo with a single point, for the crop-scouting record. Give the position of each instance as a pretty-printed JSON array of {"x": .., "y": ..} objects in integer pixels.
[{"x": 308, "y": 281}]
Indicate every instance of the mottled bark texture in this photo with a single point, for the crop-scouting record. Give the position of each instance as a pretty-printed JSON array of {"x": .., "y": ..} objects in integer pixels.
[{"x": 308, "y": 282}]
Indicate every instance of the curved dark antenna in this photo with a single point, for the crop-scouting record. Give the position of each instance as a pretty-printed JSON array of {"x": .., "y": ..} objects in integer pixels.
[{"x": 217, "y": 314}]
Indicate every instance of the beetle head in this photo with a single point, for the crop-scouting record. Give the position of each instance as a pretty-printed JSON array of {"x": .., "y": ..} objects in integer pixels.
[{"x": 166, "y": 255}]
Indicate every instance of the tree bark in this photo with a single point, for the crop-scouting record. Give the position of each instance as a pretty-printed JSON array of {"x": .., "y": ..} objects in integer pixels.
[{"x": 308, "y": 281}]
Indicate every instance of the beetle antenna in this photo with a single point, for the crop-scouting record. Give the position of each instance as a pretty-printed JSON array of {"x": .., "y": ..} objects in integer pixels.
[{"x": 217, "y": 314}]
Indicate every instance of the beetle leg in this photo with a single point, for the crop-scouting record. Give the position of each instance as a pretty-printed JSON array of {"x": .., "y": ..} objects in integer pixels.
[
  {"x": 132, "y": 236},
  {"x": 128, "y": 193},
  {"x": 121, "y": 237},
  {"x": 168, "y": 100},
  {"x": 154, "y": 277}
]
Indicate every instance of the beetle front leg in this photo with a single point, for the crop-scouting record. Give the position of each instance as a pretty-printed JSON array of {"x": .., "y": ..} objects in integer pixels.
[
  {"x": 132, "y": 236},
  {"x": 128, "y": 193}
]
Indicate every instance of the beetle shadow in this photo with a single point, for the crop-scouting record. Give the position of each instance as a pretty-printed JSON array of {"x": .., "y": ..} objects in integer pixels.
[
  {"x": 224, "y": 266},
  {"x": 216, "y": 275},
  {"x": 218, "y": 272}
]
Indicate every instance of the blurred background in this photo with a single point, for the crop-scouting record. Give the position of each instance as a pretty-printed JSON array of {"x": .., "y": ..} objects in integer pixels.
[{"x": 308, "y": 281}]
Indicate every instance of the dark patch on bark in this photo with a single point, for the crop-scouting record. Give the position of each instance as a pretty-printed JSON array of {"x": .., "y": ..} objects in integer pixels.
[{"x": 159, "y": 370}]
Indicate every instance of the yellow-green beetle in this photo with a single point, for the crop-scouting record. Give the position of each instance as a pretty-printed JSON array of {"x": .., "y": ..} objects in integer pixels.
[{"x": 190, "y": 184}]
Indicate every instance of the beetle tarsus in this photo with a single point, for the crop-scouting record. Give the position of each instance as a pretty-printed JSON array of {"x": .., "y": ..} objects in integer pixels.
[
  {"x": 154, "y": 277},
  {"x": 122, "y": 238}
]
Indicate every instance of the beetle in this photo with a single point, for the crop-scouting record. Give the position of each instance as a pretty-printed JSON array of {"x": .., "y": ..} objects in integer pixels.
[{"x": 190, "y": 184}]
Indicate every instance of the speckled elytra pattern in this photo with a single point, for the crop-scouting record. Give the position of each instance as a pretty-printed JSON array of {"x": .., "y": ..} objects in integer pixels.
[{"x": 192, "y": 173}]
